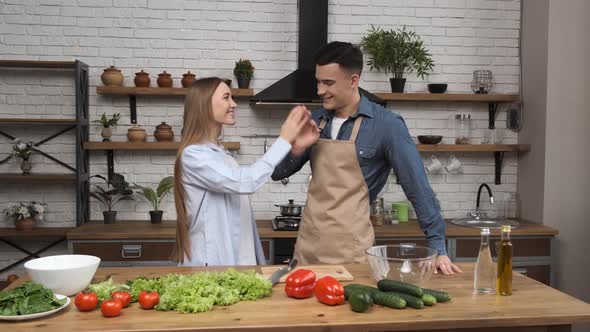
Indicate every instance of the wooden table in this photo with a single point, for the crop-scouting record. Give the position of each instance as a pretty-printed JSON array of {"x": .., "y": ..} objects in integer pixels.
[{"x": 533, "y": 307}]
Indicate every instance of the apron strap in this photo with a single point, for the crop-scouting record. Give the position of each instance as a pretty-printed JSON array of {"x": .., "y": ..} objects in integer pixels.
[{"x": 355, "y": 129}]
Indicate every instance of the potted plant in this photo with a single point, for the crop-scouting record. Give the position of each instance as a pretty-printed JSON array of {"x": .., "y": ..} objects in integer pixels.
[
  {"x": 25, "y": 215},
  {"x": 23, "y": 150},
  {"x": 243, "y": 71},
  {"x": 155, "y": 197},
  {"x": 117, "y": 189},
  {"x": 398, "y": 52},
  {"x": 107, "y": 123}
]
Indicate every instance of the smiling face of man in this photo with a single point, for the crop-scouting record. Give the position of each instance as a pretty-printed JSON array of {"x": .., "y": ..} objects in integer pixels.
[{"x": 336, "y": 85}]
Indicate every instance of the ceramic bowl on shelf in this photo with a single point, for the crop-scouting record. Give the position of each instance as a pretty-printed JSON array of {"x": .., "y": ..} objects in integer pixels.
[
  {"x": 437, "y": 87},
  {"x": 63, "y": 274},
  {"x": 403, "y": 262},
  {"x": 430, "y": 139}
]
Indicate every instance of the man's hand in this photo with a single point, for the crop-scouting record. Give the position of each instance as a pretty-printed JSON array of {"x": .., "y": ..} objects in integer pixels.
[
  {"x": 446, "y": 266},
  {"x": 309, "y": 134}
]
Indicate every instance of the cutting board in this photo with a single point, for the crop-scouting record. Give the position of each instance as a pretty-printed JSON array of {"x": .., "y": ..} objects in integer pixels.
[{"x": 339, "y": 272}]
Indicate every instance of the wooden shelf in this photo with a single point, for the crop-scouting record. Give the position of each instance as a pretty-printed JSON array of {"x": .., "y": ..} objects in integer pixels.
[
  {"x": 473, "y": 147},
  {"x": 14, "y": 121},
  {"x": 145, "y": 145},
  {"x": 36, "y": 177},
  {"x": 127, "y": 91},
  {"x": 450, "y": 97},
  {"x": 37, "y": 64}
]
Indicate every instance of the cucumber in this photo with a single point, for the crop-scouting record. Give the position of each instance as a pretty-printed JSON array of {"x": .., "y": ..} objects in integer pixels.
[
  {"x": 440, "y": 296},
  {"x": 382, "y": 298},
  {"x": 389, "y": 285},
  {"x": 411, "y": 300},
  {"x": 428, "y": 299},
  {"x": 360, "y": 300}
]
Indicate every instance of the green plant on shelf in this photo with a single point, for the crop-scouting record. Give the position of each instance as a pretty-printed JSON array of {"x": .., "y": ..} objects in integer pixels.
[
  {"x": 155, "y": 197},
  {"x": 108, "y": 122}
]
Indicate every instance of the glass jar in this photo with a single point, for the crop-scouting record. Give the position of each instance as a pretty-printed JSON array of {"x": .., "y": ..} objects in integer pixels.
[
  {"x": 511, "y": 206},
  {"x": 463, "y": 128},
  {"x": 377, "y": 214},
  {"x": 482, "y": 81}
]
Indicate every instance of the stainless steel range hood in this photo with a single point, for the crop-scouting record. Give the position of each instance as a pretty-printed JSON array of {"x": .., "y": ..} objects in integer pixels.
[{"x": 299, "y": 87}]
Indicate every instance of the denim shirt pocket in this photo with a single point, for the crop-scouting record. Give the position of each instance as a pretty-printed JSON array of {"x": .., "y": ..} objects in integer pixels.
[{"x": 365, "y": 154}]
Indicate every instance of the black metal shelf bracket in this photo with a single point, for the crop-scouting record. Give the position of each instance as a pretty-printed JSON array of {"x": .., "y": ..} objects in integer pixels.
[
  {"x": 110, "y": 164},
  {"x": 499, "y": 158},
  {"x": 133, "y": 109},
  {"x": 492, "y": 107}
]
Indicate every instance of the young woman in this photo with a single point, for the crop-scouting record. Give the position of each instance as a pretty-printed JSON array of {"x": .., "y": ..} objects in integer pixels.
[{"x": 215, "y": 220}]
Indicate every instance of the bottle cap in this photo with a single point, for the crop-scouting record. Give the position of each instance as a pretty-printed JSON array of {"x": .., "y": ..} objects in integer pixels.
[{"x": 505, "y": 228}]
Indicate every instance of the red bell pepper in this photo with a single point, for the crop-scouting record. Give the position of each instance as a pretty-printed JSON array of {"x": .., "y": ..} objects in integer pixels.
[
  {"x": 300, "y": 284},
  {"x": 329, "y": 291}
]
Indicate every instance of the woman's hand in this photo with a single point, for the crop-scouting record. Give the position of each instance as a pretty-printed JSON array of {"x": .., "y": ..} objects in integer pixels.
[
  {"x": 308, "y": 135},
  {"x": 298, "y": 117}
]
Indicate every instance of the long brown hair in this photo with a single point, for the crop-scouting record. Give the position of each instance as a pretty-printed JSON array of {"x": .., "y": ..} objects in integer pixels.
[{"x": 197, "y": 127}]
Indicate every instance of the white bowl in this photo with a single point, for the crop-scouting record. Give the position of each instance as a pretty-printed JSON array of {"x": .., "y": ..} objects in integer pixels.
[{"x": 63, "y": 274}]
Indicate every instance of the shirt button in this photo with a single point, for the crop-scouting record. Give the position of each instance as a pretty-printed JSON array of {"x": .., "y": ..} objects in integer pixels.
[{"x": 361, "y": 152}]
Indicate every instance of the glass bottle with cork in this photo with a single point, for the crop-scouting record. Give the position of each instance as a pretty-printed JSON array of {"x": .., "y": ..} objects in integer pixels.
[
  {"x": 504, "y": 276},
  {"x": 485, "y": 272}
]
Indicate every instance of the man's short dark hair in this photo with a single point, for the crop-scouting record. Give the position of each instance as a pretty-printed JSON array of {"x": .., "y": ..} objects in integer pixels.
[{"x": 347, "y": 55}]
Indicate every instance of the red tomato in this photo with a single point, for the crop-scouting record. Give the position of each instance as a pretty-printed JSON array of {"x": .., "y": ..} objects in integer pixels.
[
  {"x": 124, "y": 297},
  {"x": 148, "y": 300},
  {"x": 86, "y": 301},
  {"x": 111, "y": 308}
]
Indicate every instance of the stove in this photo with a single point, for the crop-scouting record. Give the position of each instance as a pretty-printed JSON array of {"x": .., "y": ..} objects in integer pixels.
[{"x": 286, "y": 223}]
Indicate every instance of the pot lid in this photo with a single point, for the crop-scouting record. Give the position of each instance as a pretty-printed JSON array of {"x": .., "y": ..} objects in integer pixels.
[
  {"x": 136, "y": 128},
  {"x": 164, "y": 73},
  {"x": 188, "y": 73},
  {"x": 112, "y": 68},
  {"x": 290, "y": 205},
  {"x": 141, "y": 73},
  {"x": 163, "y": 126}
]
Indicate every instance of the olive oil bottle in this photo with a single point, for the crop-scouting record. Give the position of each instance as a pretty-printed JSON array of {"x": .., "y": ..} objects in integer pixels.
[{"x": 504, "y": 277}]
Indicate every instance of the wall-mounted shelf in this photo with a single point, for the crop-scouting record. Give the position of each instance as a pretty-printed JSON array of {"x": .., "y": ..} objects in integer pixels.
[
  {"x": 497, "y": 149},
  {"x": 133, "y": 92},
  {"x": 17, "y": 121},
  {"x": 37, "y": 177},
  {"x": 493, "y": 99},
  {"x": 38, "y": 64},
  {"x": 110, "y": 148}
]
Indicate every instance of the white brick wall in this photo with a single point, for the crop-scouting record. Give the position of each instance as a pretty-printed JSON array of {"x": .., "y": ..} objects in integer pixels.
[{"x": 206, "y": 37}]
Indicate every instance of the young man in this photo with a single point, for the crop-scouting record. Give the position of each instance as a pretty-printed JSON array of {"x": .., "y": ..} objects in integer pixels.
[{"x": 359, "y": 143}]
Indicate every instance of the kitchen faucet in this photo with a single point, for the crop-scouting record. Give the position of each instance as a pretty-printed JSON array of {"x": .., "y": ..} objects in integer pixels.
[{"x": 477, "y": 214}]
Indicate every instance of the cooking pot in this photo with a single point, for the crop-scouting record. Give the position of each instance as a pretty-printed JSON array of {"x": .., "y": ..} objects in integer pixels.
[{"x": 291, "y": 209}]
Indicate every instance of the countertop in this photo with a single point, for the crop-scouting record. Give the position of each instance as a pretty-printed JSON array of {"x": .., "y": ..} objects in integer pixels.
[
  {"x": 532, "y": 307},
  {"x": 167, "y": 230}
]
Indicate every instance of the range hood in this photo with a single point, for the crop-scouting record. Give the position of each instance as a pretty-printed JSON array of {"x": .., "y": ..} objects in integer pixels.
[{"x": 300, "y": 87}]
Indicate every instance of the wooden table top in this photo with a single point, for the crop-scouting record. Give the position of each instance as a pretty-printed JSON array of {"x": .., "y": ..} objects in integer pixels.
[
  {"x": 167, "y": 230},
  {"x": 532, "y": 304}
]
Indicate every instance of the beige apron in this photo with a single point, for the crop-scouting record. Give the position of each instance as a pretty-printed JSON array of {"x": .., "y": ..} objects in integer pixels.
[{"x": 335, "y": 228}]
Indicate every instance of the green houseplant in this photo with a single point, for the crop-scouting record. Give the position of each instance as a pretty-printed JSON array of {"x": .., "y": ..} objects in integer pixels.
[
  {"x": 398, "y": 52},
  {"x": 243, "y": 71},
  {"x": 107, "y": 123},
  {"x": 23, "y": 150},
  {"x": 155, "y": 197},
  {"x": 117, "y": 189}
]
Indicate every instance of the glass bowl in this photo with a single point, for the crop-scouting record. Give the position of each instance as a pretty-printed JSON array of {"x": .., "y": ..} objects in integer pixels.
[{"x": 403, "y": 262}]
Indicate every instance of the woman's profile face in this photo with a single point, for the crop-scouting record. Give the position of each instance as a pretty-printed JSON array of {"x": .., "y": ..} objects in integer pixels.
[{"x": 223, "y": 105}]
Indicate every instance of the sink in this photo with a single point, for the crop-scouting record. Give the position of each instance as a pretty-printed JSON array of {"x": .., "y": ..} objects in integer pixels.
[{"x": 484, "y": 222}]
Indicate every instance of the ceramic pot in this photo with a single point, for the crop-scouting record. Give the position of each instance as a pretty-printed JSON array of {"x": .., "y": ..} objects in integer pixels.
[
  {"x": 136, "y": 134},
  {"x": 164, "y": 133},
  {"x": 188, "y": 79},
  {"x": 110, "y": 217},
  {"x": 26, "y": 166},
  {"x": 142, "y": 79},
  {"x": 156, "y": 216},
  {"x": 164, "y": 80},
  {"x": 106, "y": 134},
  {"x": 26, "y": 224},
  {"x": 112, "y": 77},
  {"x": 243, "y": 82}
]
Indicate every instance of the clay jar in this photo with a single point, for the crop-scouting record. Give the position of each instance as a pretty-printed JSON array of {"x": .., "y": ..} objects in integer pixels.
[
  {"x": 142, "y": 79},
  {"x": 188, "y": 79},
  {"x": 164, "y": 80},
  {"x": 164, "y": 133},
  {"x": 112, "y": 77},
  {"x": 136, "y": 134}
]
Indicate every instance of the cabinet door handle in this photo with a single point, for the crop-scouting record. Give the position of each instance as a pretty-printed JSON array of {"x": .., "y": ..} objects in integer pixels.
[{"x": 131, "y": 251}]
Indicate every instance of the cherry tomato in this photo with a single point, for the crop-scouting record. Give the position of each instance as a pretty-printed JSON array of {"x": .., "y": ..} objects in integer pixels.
[
  {"x": 148, "y": 300},
  {"x": 123, "y": 296},
  {"x": 86, "y": 301},
  {"x": 111, "y": 308}
]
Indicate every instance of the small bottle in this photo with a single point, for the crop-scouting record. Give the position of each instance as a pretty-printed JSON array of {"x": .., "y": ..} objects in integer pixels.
[
  {"x": 485, "y": 272},
  {"x": 504, "y": 278}
]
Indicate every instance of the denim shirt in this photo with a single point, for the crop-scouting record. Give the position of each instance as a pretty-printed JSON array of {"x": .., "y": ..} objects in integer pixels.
[
  {"x": 213, "y": 187},
  {"x": 383, "y": 143}
]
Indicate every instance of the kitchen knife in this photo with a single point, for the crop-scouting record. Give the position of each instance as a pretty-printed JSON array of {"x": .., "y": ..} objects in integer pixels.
[{"x": 276, "y": 276}]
